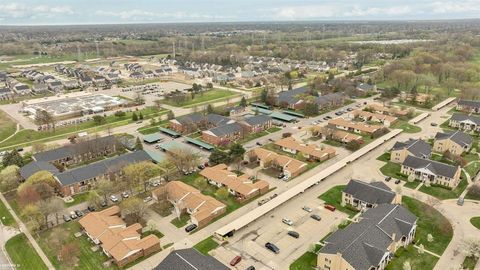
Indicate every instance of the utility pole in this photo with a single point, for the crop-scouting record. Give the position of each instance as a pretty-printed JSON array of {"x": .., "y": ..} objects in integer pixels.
[
  {"x": 98, "y": 50},
  {"x": 173, "y": 45},
  {"x": 79, "y": 53}
]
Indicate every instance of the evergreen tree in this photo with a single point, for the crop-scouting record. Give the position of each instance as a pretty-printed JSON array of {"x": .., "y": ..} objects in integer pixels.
[
  {"x": 138, "y": 144},
  {"x": 12, "y": 158},
  {"x": 134, "y": 117},
  {"x": 243, "y": 102}
]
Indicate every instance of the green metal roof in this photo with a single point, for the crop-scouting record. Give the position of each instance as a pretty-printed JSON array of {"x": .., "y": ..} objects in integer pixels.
[
  {"x": 170, "y": 145},
  {"x": 282, "y": 116},
  {"x": 169, "y": 132},
  {"x": 152, "y": 138},
  {"x": 200, "y": 143},
  {"x": 262, "y": 111},
  {"x": 157, "y": 156},
  {"x": 294, "y": 113}
]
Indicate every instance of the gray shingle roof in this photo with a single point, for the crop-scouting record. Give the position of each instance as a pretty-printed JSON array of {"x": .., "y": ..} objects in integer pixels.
[
  {"x": 257, "y": 120},
  {"x": 226, "y": 129},
  {"x": 74, "y": 149},
  {"x": 418, "y": 148},
  {"x": 374, "y": 193},
  {"x": 463, "y": 117},
  {"x": 363, "y": 244},
  {"x": 196, "y": 118},
  {"x": 459, "y": 137},
  {"x": 435, "y": 167},
  {"x": 291, "y": 96},
  {"x": 101, "y": 167},
  {"x": 469, "y": 103},
  {"x": 189, "y": 259},
  {"x": 36, "y": 166}
]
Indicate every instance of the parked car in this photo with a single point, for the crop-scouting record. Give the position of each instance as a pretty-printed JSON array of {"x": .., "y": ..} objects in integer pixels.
[
  {"x": 293, "y": 234},
  {"x": 316, "y": 217},
  {"x": 287, "y": 221},
  {"x": 308, "y": 209},
  {"x": 190, "y": 228},
  {"x": 235, "y": 260},
  {"x": 91, "y": 208},
  {"x": 259, "y": 143},
  {"x": 73, "y": 215},
  {"x": 147, "y": 199},
  {"x": 263, "y": 201},
  {"x": 201, "y": 167},
  {"x": 388, "y": 178},
  {"x": 139, "y": 122},
  {"x": 397, "y": 181},
  {"x": 79, "y": 213},
  {"x": 433, "y": 124},
  {"x": 350, "y": 109},
  {"x": 460, "y": 201},
  {"x": 330, "y": 207},
  {"x": 113, "y": 198},
  {"x": 125, "y": 194},
  {"x": 280, "y": 175},
  {"x": 66, "y": 218},
  {"x": 272, "y": 247},
  {"x": 103, "y": 203}
]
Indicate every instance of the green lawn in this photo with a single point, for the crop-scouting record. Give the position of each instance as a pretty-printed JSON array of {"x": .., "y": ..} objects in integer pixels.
[
  {"x": 252, "y": 136},
  {"x": 182, "y": 221},
  {"x": 469, "y": 262},
  {"x": 7, "y": 218},
  {"x": 22, "y": 253},
  {"x": 423, "y": 261},
  {"x": 7, "y": 126},
  {"x": 273, "y": 129},
  {"x": 412, "y": 185},
  {"x": 78, "y": 198},
  {"x": 88, "y": 259},
  {"x": 204, "y": 97},
  {"x": 334, "y": 197},
  {"x": 443, "y": 193},
  {"x": 307, "y": 261},
  {"x": 385, "y": 157},
  {"x": 393, "y": 170},
  {"x": 206, "y": 245},
  {"x": 475, "y": 222},
  {"x": 407, "y": 128},
  {"x": 26, "y": 136},
  {"x": 430, "y": 221}
]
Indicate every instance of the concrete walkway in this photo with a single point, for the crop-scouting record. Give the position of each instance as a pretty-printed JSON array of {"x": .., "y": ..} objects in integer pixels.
[
  {"x": 427, "y": 251},
  {"x": 16, "y": 131},
  {"x": 6, "y": 232},
  {"x": 30, "y": 238}
]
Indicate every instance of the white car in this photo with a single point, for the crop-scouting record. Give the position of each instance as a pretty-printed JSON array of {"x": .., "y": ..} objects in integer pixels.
[
  {"x": 125, "y": 194},
  {"x": 308, "y": 209},
  {"x": 113, "y": 198},
  {"x": 287, "y": 221}
]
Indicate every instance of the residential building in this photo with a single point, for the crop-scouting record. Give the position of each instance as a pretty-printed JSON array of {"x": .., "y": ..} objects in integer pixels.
[
  {"x": 188, "y": 200},
  {"x": 366, "y": 88},
  {"x": 35, "y": 166},
  {"x": 86, "y": 81},
  {"x": 465, "y": 122},
  {"x": 309, "y": 151},
  {"x": 433, "y": 171},
  {"x": 81, "y": 179},
  {"x": 386, "y": 120},
  {"x": 455, "y": 142},
  {"x": 355, "y": 127},
  {"x": 370, "y": 243},
  {"x": 257, "y": 123},
  {"x": 242, "y": 187},
  {"x": 337, "y": 135},
  {"x": 468, "y": 106},
  {"x": 70, "y": 84},
  {"x": 362, "y": 195},
  {"x": 5, "y": 94},
  {"x": 189, "y": 259},
  {"x": 196, "y": 121},
  {"x": 38, "y": 88},
  {"x": 290, "y": 167},
  {"x": 79, "y": 152},
  {"x": 124, "y": 244},
  {"x": 417, "y": 148},
  {"x": 21, "y": 89},
  {"x": 223, "y": 135},
  {"x": 55, "y": 86}
]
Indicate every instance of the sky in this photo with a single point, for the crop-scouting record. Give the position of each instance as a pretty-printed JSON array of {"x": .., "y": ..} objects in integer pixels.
[{"x": 38, "y": 12}]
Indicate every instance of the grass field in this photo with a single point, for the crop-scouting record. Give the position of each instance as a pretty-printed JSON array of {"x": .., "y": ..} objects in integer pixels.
[
  {"x": 26, "y": 136},
  {"x": 430, "y": 221},
  {"x": 206, "y": 245},
  {"x": 78, "y": 198},
  {"x": 393, "y": 170},
  {"x": 407, "y": 128},
  {"x": 22, "y": 253},
  {"x": 334, "y": 197},
  {"x": 6, "y": 217},
  {"x": 469, "y": 262},
  {"x": 7, "y": 126},
  {"x": 182, "y": 221},
  {"x": 475, "y": 222},
  {"x": 204, "y": 97},
  {"x": 307, "y": 261},
  {"x": 443, "y": 193},
  {"x": 88, "y": 259},
  {"x": 423, "y": 261}
]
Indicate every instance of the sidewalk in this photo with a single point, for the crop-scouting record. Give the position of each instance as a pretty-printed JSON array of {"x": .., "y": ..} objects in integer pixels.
[{"x": 30, "y": 238}]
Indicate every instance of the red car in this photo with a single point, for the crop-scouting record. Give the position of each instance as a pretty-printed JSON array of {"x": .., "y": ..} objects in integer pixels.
[
  {"x": 235, "y": 260},
  {"x": 330, "y": 207}
]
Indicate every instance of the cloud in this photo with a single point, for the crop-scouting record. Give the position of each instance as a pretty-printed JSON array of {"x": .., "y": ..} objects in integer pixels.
[
  {"x": 373, "y": 11},
  {"x": 304, "y": 12},
  {"x": 445, "y": 7},
  {"x": 142, "y": 15},
  {"x": 15, "y": 10}
]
